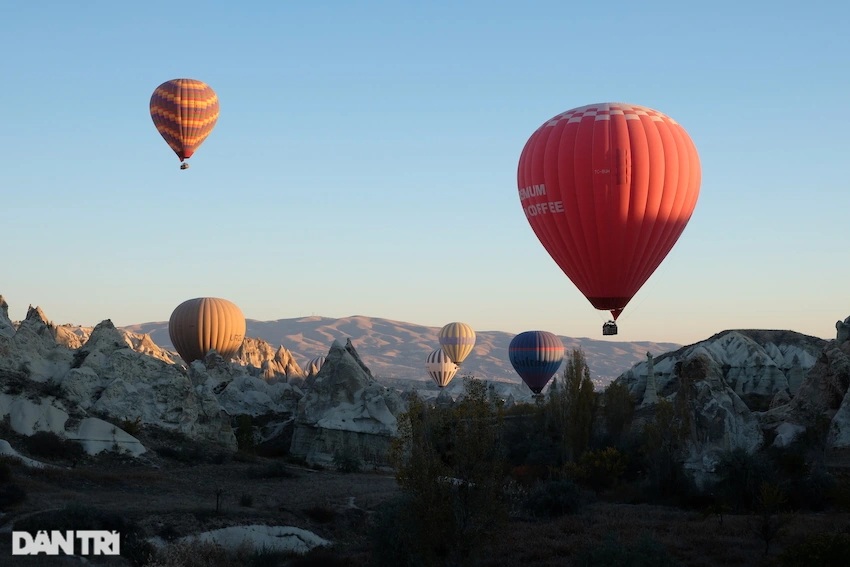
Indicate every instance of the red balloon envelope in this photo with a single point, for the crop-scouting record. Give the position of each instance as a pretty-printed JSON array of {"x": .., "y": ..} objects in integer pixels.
[{"x": 608, "y": 188}]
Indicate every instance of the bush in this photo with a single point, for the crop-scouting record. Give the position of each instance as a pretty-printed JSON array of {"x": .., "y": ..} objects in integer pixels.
[
  {"x": 192, "y": 554},
  {"x": 600, "y": 469},
  {"x": 132, "y": 426},
  {"x": 824, "y": 550},
  {"x": 347, "y": 461},
  {"x": 742, "y": 476},
  {"x": 320, "y": 514},
  {"x": 396, "y": 535},
  {"x": 245, "y": 434},
  {"x": 554, "y": 498},
  {"x": 246, "y": 500},
  {"x": 646, "y": 552},
  {"x": 134, "y": 546},
  {"x": 5, "y": 472},
  {"x": 272, "y": 470},
  {"x": 49, "y": 445},
  {"x": 11, "y": 495},
  {"x": 321, "y": 557}
]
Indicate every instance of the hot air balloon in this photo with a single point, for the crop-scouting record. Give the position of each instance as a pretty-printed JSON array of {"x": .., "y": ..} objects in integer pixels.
[
  {"x": 608, "y": 188},
  {"x": 457, "y": 340},
  {"x": 185, "y": 112},
  {"x": 440, "y": 367},
  {"x": 314, "y": 365},
  {"x": 204, "y": 323},
  {"x": 536, "y": 356}
]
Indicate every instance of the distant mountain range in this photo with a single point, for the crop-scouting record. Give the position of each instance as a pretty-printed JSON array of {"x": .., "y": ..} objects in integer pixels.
[{"x": 397, "y": 350}]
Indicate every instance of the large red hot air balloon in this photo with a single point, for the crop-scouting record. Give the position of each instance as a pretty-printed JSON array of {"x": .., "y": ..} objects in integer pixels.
[
  {"x": 608, "y": 188},
  {"x": 184, "y": 112}
]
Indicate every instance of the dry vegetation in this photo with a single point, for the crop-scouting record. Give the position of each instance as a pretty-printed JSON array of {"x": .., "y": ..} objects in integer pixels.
[{"x": 168, "y": 498}]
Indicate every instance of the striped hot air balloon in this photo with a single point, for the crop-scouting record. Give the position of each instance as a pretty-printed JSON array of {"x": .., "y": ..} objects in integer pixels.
[
  {"x": 536, "y": 356},
  {"x": 205, "y": 323},
  {"x": 314, "y": 365},
  {"x": 457, "y": 341},
  {"x": 185, "y": 112},
  {"x": 440, "y": 367}
]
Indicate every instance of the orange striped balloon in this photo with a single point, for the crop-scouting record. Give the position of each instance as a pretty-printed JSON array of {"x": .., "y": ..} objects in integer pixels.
[
  {"x": 198, "y": 325},
  {"x": 185, "y": 112}
]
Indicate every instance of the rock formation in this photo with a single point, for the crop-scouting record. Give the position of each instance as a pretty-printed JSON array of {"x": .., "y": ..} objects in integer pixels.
[
  {"x": 267, "y": 362},
  {"x": 345, "y": 411},
  {"x": 755, "y": 364},
  {"x": 120, "y": 375},
  {"x": 730, "y": 378}
]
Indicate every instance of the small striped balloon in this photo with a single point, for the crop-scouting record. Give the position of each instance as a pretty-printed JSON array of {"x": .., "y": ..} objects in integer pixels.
[
  {"x": 184, "y": 112},
  {"x": 440, "y": 367},
  {"x": 536, "y": 356},
  {"x": 314, "y": 365},
  {"x": 457, "y": 340}
]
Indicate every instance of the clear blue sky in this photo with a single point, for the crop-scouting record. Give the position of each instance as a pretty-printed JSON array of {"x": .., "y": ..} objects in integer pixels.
[{"x": 365, "y": 159}]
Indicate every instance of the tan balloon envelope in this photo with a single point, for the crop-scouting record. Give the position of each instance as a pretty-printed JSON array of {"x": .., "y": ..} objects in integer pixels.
[
  {"x": 457, "y": 341},
  {"x": 204, "y": 323}
]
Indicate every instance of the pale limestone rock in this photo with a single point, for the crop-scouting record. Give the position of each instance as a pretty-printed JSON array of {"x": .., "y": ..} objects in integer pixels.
[
  {"x": 267, "y": 362},
  {"x": 346, "y": 410}
]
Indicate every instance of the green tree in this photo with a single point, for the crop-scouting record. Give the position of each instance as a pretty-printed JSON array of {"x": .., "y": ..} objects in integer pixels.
[
  {"x": 599, "y": 470},
  {"x": 619, "y": 409},
  {"x": 449, "y": 460},
  {"x": 664, "y": 447},
  {"x": 578, "y": 402}
]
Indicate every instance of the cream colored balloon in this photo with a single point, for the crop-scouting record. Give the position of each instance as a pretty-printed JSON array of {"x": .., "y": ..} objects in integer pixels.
[
  {"x": 205, "y": 323},
  {"x": 457, "y": 341}
]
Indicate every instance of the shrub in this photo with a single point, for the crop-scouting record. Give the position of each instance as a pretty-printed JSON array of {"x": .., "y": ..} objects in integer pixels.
[
  {"x": 554, "y": 498},
  {"x": 132, "y": 426},
  {"x": 49, "y": 445},
  {"x": 246, "y": 500},
  {"x": 245, "y": 434},
  {"x": 189, "y": 454},
  {"x": 11, "y": 495},
  {"x": 347, "y": 461},
  {"x": 134, "y": 546},
  {"x": 599, "y": 469},
  {"x": 742, "y": 476},
  {"x": 646, "y": 552},
  {"x": 192, "y": 554},
  {"x": 320, "y": 557},
  {"x": 272, "y": 470},
  {"x": 396, "y": 536},
  {"x": 824, "y": 550},
  {"x": 5, "y": 472},
  {"x": 320, "y": 514}
]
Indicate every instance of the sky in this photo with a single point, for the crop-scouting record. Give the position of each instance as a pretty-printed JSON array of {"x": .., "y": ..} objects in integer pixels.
[{"x": 365, "y": 160}]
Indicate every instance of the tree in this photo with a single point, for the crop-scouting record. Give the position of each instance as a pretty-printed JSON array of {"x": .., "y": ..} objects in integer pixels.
[
  {"x": 578, "y": 403},
  {"x": 450, "y": 462},
  {"x": 599, "y": 470},
  {"x": 664, "y": 448},
  {"x": 619, "y": 409}
]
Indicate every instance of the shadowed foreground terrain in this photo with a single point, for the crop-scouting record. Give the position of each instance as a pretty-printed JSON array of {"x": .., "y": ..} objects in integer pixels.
[{"x": 174, "y": 490}]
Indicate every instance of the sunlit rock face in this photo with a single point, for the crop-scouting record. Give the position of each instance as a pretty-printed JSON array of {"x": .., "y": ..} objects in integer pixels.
[
  {"x": 346, "y": 411},
  {"x": 263, "y": 360},
  {"x": 756, "y": 365},
  {"x": 822, "y": 397},
  {"x": 111, "y": 378},
  {"x": 732, "y": 379}
]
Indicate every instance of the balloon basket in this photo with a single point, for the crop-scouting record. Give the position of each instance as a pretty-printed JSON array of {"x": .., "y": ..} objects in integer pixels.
[
  {"x": 184, "y": 166},
  {"x": 609, "y": 328}
]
